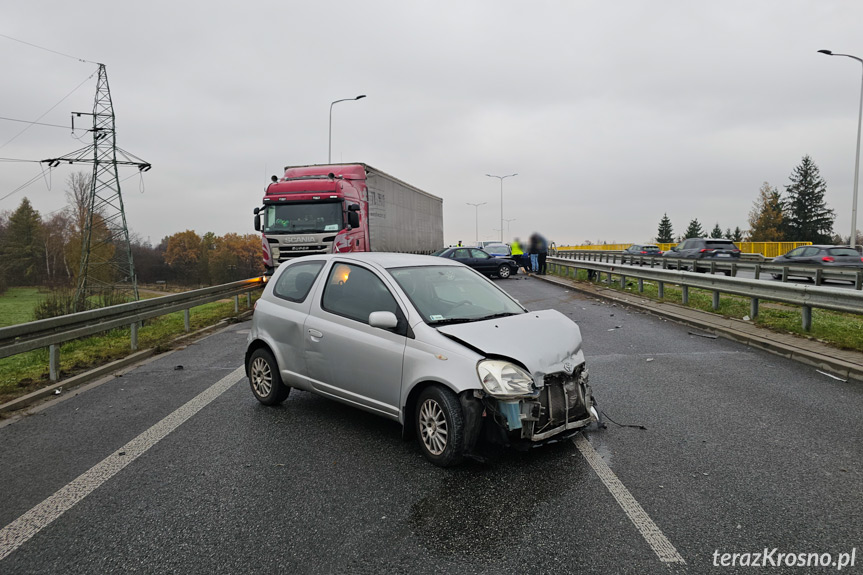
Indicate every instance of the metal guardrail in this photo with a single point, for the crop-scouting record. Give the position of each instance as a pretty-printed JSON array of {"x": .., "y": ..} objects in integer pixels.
[
  {"x": 778, "y": 271},
  {"x": 807, "y": 297},
  {"x": 51, "y": 332}
]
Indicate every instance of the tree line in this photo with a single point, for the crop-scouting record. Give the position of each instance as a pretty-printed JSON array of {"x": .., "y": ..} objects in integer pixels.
[
  {"x": 800, "y": 214},
  {"x": 45, "y": 250}
]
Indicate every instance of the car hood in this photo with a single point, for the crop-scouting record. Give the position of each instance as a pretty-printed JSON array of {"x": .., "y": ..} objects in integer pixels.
[{"x": 543, "y": 341}]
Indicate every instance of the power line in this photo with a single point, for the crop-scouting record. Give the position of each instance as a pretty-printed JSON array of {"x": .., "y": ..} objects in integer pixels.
[
  {"x": 49, "y": 109},
  {"x": 25, "y": 184},
  {"x": 48, "y": 49},
  {"x": 34, "y": 123}
]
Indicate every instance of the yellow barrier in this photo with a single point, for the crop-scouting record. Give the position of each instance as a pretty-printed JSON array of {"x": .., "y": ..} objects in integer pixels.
[{"x": 767, "y": 249}]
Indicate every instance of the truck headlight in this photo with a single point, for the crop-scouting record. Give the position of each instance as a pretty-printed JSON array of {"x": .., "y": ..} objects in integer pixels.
[
  {"x": 504, "y": 379},
  {"x": 275, "y": 252}
]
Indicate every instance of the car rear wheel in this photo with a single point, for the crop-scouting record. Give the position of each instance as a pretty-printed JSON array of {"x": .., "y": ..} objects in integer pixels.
[
  {"x": 264, "y": 377},
  {"x": 504, "y": 272},
  {"x": 440, "y": 426}
]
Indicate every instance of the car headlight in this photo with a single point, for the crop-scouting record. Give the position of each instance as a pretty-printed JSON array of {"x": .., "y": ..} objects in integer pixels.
[{"x": 504, "y": 379}]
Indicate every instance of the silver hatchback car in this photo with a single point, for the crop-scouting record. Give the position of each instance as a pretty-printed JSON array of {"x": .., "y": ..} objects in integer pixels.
[{"x": 424, "y": 341}]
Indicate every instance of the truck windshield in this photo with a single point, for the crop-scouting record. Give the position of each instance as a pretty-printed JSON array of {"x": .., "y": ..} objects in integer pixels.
[{"x": 308, "y": 218}]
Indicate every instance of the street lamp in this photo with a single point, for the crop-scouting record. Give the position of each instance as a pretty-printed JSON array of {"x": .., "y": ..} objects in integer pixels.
[
  {"x": 501, "y": 178},
  {"x": 330, "y": 148},
  {"x": 507, "y": 226},
  {"x": 857, "y": 157},
  {"x": 477, "y": 218}
]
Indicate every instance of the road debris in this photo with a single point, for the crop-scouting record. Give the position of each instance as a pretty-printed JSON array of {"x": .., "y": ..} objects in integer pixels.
[
  {"x": 836, "y": 377},
  {"x": 707, "y": 335}
]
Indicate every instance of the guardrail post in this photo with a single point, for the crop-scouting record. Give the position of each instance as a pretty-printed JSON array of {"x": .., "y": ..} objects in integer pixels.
[
  {"x": 806, "y": 313},
  {"x": 186, "y": 324},
  {"x": 660, "y": 289},
  {"x": 54, "y": 362},
  {"x": 640, "y": 285},
  {"x": 715, "y": 300},
  {"x": 248, "y": 299},
  {"x": 753, "y": 308},
  {"x": 733, "y": 269},
  {"x": 684, "y": 294},
  {"x": 757, "y": 271},
  {"x": 785, "y": 274},
  {"x": 237, "y": 303},
  {"x": 858, "y": 280},
  {"x": 819, "y": 273},
  {"x": 134, "y": 337},
  {"x": 712, "y": 268}
]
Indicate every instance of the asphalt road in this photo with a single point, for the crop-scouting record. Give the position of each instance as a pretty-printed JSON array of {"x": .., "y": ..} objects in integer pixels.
[{"x": 742, "y": 451}]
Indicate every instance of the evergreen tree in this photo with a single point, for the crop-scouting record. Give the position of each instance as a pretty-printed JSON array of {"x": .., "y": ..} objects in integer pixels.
[
  {"x": 22, "y": 250},
  {"x": 737, "y": 235},
  {"x": 765, "y": 217},
  {"x": 806, "y": 215},
  {"x": 717, "y": 231},
  {"x": 694, "y": 230},
  {"x": 665, "y": 234}
]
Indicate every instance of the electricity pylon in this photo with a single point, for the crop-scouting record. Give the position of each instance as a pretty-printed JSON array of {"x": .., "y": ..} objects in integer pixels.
[{"x": 106, "y": 253}]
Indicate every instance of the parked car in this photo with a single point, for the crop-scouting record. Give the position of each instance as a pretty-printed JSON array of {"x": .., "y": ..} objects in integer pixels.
[
  {"x": 481, "y": 261},
  {"x": 704, "y": 249},
  {"x": 820, "y": 256},
  {"x": 424, "y": 341}
]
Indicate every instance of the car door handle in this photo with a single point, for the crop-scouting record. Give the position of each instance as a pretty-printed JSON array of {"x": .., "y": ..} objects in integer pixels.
[{"x": 315, "y": 335}]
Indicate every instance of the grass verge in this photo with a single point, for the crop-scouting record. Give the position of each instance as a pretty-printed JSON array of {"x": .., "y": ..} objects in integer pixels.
[
  {"x": 841, "y": 330},
  {"x": 27, "y": 372},
  {"x": 17, "y": 304}
]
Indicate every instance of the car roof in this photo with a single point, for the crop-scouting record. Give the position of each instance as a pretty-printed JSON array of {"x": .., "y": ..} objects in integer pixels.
[{"x": 384, "y": 259}]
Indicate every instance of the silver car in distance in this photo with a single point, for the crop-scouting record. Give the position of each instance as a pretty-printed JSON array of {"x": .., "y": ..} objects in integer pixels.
[{"x": 422, "y": 340}]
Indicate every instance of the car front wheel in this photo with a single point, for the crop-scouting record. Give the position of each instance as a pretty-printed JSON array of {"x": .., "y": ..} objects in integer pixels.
[
  {"x": 440, "y": 426},
  {"x": 504, "y": 272},
  {"x": 264, "y": 377}
]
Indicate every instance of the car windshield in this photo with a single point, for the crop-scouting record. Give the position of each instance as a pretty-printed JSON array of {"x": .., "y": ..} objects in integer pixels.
[
  {"x": 309, "y": 218},
  {"x": 453, "y": 294}
]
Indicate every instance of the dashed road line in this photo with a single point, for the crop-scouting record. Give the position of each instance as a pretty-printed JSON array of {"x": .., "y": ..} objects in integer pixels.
[
  {"x": 636, "y": 513},
  {"x": 25, "y": 527}
]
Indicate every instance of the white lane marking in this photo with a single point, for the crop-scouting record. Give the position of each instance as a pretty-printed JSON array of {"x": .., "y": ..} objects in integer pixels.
[
  {"x": 25, "y": 527},
  {"x": 642, "y": 521}
]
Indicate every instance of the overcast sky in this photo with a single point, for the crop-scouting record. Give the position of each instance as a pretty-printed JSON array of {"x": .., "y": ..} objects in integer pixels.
[{"x": 611, "y": 113}]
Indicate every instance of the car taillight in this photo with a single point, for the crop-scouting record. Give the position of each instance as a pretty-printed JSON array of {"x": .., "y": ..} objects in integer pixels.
[
  {"x": 735, "y": 251},
  {"x": 705, "y": 250},
  {"x": 827, "y": 259},
  {"x": 643, "y": 253}
]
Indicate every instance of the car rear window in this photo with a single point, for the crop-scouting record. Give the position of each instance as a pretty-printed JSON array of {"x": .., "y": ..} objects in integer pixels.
[
  {"x": 720, "y": 245},
  {"x": 843, "y": 252}
]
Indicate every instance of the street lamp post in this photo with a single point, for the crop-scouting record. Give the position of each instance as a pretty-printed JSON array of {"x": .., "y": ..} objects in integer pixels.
[
  {"x": 501, "y": 178},
  {"x": 477, "y": 218},
  {"x": 507, "y": 226},
  {"x": 857, "y": 157},
  {"x": 330, "y": 146}
]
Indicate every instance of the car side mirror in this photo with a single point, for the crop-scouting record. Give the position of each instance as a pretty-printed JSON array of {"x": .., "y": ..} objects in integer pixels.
[{"x": 383, "y": 319}]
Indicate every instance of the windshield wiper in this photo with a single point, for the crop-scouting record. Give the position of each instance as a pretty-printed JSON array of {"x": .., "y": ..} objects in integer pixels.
[
  {"x": 496, "y": 315},
  {"x": 453, "y": 320}
]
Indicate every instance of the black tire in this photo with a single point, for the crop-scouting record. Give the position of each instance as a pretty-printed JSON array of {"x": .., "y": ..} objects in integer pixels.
[
  {"x": 777, "y": 276},
  {"x": 264, "y": 378},
  {"x": 440, "y": 426},
  {"x": 504, "y": 271}
]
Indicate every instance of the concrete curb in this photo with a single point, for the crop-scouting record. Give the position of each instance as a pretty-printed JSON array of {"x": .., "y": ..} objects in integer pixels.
[
  {"x": 800, "y": 349},
  {"x": 114, "y": 366}
]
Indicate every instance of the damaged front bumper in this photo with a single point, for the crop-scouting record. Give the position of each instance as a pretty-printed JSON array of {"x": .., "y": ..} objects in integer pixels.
[{"x": 559, "y": 408}]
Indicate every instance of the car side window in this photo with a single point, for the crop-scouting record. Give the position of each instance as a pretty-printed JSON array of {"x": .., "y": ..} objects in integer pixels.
[
  {"x": 795, "y": 253},
  {"x": 355, "y": 292},
  {"x": 810, "y": 251},
  {"x": 296, "y": 281},
  {"x": 461, "y": 254},
  {"x": 479, "y": 254},
  {"x": 684, "y": 245}
]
